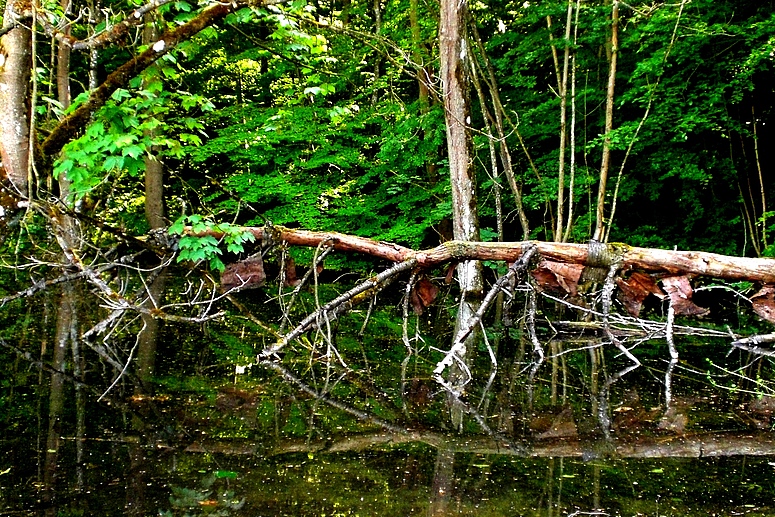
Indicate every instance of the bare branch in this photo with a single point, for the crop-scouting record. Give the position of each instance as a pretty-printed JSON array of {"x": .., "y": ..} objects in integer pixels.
[
  {"x": 339, "y": 304},
  {"x": 503, "y": 282}
]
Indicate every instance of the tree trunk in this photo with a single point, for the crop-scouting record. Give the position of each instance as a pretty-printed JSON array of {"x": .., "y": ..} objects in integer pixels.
[
  {"x": 465, "y": 221},
  {"x": 15, "y": 69},
  {"x": 424, "y": 77},
  {"x": 154, "y": 213},
  {"x": 609, "y": 117},
  {"x": 563, "y": 86}
]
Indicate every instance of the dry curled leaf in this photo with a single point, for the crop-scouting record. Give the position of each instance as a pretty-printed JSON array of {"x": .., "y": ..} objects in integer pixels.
[
  {"x": 635, "y": 288},
  {"x": 680, "y": 292},
  {"x": 423, "y": 295},
  {"x": 246, "y": 274},
  {"x": 290, "y": 278},
  {"x": 558, "y": 276},
  {"x": 764, "y": 302}
]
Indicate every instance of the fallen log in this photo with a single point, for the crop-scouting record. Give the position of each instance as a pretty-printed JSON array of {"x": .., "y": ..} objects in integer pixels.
[{"x": 594, "y": 254}]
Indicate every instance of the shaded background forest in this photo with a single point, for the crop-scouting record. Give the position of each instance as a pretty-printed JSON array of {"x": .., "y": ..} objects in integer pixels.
[
  {"x": 320, "y": 123},
  {"x": 328, "y": 116}
]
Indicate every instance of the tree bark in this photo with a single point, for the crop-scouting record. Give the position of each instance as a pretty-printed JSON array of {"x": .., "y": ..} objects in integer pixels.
[
  {"x": 465, "y": 219},
  {"x": 154, "y": 214},
  {"x": 15, "y": 69},
  {"x": 563, "y": 90},
  {"x": 698, "y": 263},
  {"x": 609, "y": 117}
]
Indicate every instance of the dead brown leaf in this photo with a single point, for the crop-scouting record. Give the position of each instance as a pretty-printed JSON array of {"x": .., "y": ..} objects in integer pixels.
[
  {"x": 764, "y": 302},
  {"x": 558, "y": 276},
  {"x": 423, "y": 295},
  {"x": 290, "y": 278},
  {"x": 246, "y": 274},
  {"x": 634, "y": 289},
  {"x": 680, "y": 292}
]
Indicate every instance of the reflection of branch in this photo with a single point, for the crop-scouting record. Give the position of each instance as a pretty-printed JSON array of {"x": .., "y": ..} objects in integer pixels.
[
  {"x": 538, "y": 351},
  {"x": 669, "y": 382},
  {"x": 405, "y": 338},
  {"x": 249, "y": 315},
  {"x": 357, "y": 413},
  {"x": 753, "y": 349},
  {"x": 49, "y": 369},
  {"x": 40, "y": 286},
  {"x": 755, "y": 340},
  {"x": 339, "y": 305},
  {"x": 480, "y": 419}
]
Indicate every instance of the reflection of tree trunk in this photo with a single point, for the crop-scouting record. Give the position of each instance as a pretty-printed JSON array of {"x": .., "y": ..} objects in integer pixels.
[
  {"x": 443, "y": 482},
  {"x": 555, "y": 369},
  {"x": 549, "y": 487},
  {"x": 136, "y": 479},
  {"x": 65, "y": 332},
  {"x": 596, "y": 486},
  {"x": 148, "y": 337},
  {"x": 67, "y": 315},
  {"x": 465, "y": 219},
  {"x": 65, "y": 98}
]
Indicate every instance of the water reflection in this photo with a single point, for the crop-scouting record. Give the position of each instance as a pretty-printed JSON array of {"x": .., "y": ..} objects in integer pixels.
[{"x": 667, "y": 438}]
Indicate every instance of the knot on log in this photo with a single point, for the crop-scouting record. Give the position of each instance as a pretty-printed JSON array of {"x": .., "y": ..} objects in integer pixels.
[
  {"x": 598, "y": 254},
  {"x": 600, "y": 258},
  {"x": 460, "y": 250}
]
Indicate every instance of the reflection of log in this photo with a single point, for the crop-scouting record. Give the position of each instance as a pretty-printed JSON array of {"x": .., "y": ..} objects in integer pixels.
[
  {"x": 647, "y": 259},
  {"x": 691, "y": 446}
]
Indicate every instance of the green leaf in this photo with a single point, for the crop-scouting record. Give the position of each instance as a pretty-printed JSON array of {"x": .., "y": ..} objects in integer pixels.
[
  {"x": 135, "y": 151},
  {"x": 120, "y": 94},
  {"x": 113, "y": 162}
]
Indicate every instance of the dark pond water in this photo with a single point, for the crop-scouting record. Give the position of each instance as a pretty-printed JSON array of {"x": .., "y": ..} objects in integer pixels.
[
  {"x": 256, "y": 445},
  {"x": 393, "y": 481}
]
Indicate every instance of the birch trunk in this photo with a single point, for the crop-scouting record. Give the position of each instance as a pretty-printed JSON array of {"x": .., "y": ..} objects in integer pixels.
[
  {"x": 15, "y": 69},
  {"x": 465, "y": 221}
]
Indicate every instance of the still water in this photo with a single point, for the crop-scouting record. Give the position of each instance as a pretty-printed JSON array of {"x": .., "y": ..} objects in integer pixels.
[
  {"x": 259, "y": 446},
  {"x": 394, "y": 481}
]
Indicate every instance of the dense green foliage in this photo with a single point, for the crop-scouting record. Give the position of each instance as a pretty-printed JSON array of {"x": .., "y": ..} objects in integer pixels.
[{"x": 316, "y": 122}]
